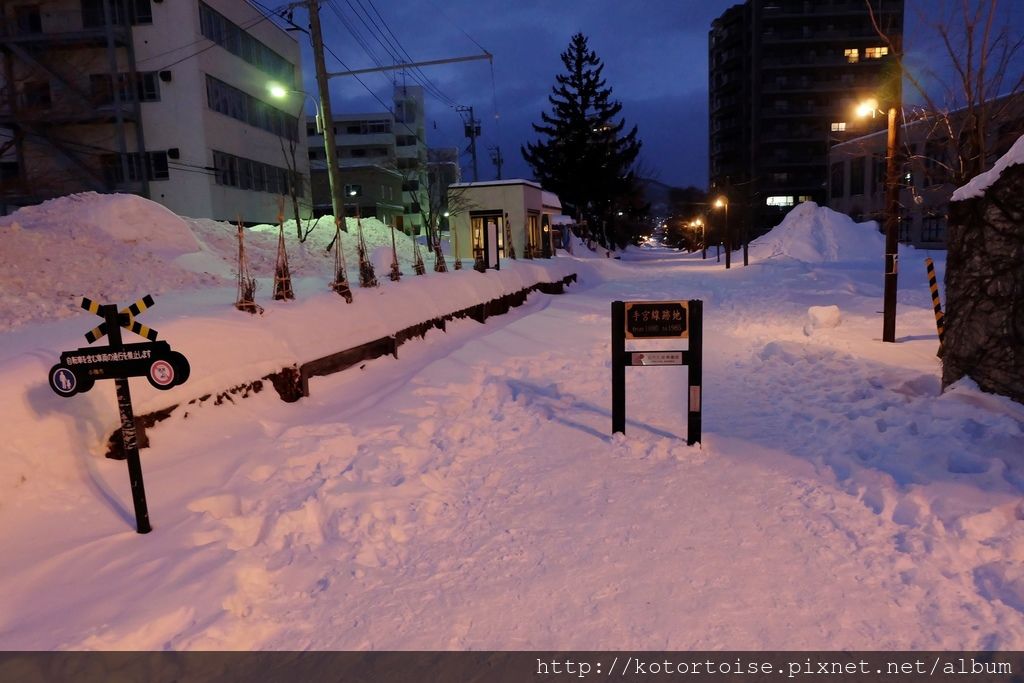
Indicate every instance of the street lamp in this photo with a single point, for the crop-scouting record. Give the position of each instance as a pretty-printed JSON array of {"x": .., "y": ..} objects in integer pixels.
[
  {"x": 703, "y": 238},
  {"x": 892, "y": 193},
  {"x": 720, "y": 203},
  {"x": 323, "y": 127}
]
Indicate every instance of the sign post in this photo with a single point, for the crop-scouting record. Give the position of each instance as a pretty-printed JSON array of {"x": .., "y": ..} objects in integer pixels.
[
  {"x": 78, "y": 370},
  {"x": 658, "y": 320}
]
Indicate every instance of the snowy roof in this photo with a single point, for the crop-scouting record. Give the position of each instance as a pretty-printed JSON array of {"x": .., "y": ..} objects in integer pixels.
[
  {"x": 981, "y": 182},
  {"x": 489, "y": 183},
  {"x": 550, "y": 200}
]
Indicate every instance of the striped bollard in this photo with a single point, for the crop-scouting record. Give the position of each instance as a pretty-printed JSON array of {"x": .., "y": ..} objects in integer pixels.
[{"x": 933, "y": 285}]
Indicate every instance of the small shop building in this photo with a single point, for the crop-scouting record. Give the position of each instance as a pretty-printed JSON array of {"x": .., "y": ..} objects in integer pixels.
[{"x": 500, "y": 219}]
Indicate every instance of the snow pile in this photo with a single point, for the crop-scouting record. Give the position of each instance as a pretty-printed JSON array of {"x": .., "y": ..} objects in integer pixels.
[
  {"x": 816, "y": 234},
  {"x": 981, "y": 182},
  {"x": 116, "y": 248},
  {"x": 582, "y": 248},
  {"x": 821, "y": 317}
]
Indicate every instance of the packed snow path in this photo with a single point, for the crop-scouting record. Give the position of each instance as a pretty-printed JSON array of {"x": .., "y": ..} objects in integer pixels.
[{"x": 469, "y": 495}]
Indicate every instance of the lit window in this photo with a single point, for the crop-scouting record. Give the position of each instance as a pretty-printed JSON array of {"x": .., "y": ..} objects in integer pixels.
[
  {"x": 875, "y": 52},
  {"x": 804, "y": 198},
  {"x": 780, "y": 200},
  {"x": 853, "y": 55},
  {"x": 838, "y": 126}
]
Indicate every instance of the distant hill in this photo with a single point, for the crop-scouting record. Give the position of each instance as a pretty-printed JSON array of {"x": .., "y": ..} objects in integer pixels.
[{"x": 657, "y": 193}]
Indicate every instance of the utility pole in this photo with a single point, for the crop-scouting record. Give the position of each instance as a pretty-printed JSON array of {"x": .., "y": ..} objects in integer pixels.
[
  {"x": 496, "y": 158},
  {"x": 472, "y": 130},
  {"x": 892, "y": 206},
  {"x": 330, "y": 148}
]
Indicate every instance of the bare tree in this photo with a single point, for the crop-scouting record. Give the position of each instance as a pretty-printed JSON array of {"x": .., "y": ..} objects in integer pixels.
[
  {"x": 296, "y": 185},
  {"x": 968, "y": 103}
]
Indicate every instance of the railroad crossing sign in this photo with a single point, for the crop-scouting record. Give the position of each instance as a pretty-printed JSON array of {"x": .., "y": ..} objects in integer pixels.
[
  {"x": 78, "y": 371},
  {"x": 658, "y": 320}
]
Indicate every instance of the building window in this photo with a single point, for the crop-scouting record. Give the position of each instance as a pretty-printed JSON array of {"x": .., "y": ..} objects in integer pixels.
[
  {"x": 837, "y": 180},
  {"x": 857, "y": 176},
  {"x": 780, "y": 200},
  {"x": 233, "y": 171},
  {"x": 405, "y": 140},
  {"x": 147, "y": 88},
  {"x": 237, "y": 41},
  {"x": 27, "y": 19},
  {"x": 903, "y": 229},
  {"x": 878, "y": 171},
  {"x": 155, "y": 167},
  {"x": 933, "y": 229},
  {"x": 123, "y": 13},
  {"x": 875, "y": 52},
  {"x": 838, "y": 126},
  {"x": 231, "y": 101},
  {"x": 852, "y": 55},
  {"x": 36, "y": 94},
  {"x": 803, "y": 198}
]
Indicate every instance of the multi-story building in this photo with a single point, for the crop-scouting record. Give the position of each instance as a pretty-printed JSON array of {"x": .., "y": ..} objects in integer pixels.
[
  {"x": 411, "y": 153},
  {"x": 372, "y": 185},
  {"x": 382, "y": 159},
  {"x": 785, "y": 77},
  {"x": 928, "y": 155},
  {"x": 169, "y": 100},
  {"x": 442, "y": 172}
]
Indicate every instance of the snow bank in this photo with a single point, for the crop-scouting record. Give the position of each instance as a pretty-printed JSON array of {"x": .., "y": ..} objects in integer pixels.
[
  {"x": 816, "y": 234},
  {"x": 115, "y": 247},
  {"x": 981, "y": 182}
]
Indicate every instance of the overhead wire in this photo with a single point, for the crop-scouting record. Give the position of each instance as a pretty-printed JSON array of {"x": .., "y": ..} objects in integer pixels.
[{"x": 423, "y": 79}]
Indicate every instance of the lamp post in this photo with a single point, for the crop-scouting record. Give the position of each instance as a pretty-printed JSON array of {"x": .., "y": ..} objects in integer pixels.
[
  {"x": 703, "y": 239},
  {"x": 723, "y": 203},
  {"x": 892, "y": 207}
]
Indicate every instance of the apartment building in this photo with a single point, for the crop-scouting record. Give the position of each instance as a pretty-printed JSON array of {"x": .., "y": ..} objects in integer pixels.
[
  {"x": 784, "y": 79},
  {"x": 382, "y": 158},
  {"x": 169, "y": 100}
]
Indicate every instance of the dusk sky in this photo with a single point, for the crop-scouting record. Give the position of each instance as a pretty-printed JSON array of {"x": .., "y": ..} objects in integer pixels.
[{"x": 654, "y": 51}]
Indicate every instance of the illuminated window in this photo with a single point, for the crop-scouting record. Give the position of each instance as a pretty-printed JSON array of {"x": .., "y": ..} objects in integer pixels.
[
  {"x": 853, "y": 55},
  {"x": 780, "y": 200},
  {"x": 804, "y": 198},
  {"x": 838, "y": 126},
  {"x": 875, "y": 52}
]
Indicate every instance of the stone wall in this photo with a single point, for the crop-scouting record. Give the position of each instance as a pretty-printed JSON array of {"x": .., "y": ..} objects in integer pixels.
[{"x": 985, "y": 288}]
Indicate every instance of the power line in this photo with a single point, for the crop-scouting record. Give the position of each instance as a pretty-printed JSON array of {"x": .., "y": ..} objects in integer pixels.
[{"x": 426, "y": 82}]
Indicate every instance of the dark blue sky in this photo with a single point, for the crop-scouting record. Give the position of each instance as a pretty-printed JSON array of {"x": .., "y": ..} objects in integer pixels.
[{"x": 654, "y": 51}]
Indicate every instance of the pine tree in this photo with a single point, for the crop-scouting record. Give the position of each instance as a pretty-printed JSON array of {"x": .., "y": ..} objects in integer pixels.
[{"x": 586, "y": 160}]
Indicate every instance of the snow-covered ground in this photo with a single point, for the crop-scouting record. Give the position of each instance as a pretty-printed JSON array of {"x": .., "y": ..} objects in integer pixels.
[{"x": 469, "y": 495}]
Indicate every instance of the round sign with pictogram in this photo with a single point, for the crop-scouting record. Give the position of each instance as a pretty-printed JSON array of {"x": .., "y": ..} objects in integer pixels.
[
  {"x": 161, "y": 374},
  {"x": 63, "y": 380}
]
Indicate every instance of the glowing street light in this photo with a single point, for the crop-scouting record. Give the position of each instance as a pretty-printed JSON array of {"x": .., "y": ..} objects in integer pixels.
[
  {"x": 723, "y": 203},
  {"x": 892, "y": 195}
]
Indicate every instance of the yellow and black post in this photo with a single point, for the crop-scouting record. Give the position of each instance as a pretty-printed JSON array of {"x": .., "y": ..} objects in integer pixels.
[{"x": 933, "y": 285}]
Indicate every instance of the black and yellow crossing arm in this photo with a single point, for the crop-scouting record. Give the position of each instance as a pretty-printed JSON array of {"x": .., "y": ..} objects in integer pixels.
[{"x": 126, "y": 319}]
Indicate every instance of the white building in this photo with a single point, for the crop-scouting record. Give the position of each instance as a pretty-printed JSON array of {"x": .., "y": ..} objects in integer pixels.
[
  {"x": 169, "y": 100},
  {"x": 491, "y": 211},
  {"x": 382, "y": 158}
]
